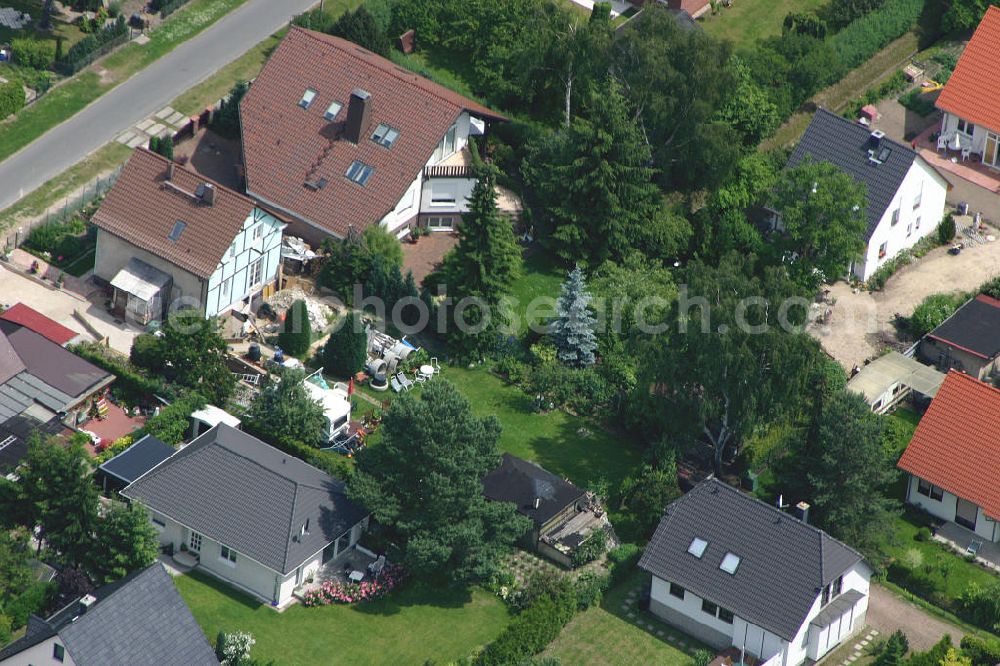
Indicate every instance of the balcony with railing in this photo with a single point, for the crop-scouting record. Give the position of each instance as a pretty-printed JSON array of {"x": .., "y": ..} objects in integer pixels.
[{"x": 448, "y": 171}]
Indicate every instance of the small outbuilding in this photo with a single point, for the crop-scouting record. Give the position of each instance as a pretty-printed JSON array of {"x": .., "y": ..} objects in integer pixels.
[
  {"x": 133, "y": 462},
  {"x": 892, "y": 378}
]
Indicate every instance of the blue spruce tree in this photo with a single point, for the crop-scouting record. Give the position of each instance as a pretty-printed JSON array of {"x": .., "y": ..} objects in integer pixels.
[{"x": 573, "y": 329}]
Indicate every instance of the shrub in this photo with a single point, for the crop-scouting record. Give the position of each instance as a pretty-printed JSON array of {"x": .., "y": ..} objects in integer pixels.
[
  {"x": 32, "y": 53},
  {"x": 349, "y": 593},
  {"x": 702, "y": 657},
  {"x": 171, "y": 424},
  {"x": 892, "y": 650},
  {"x": 296, "y": 335},
  {"x": 93, "y": 46},
  {"x": 346, "y": 351},
  {"x": 980, "y": 605},
  {"x": 932, "y": 311},
  {"x": 923, "y": 534},
  {"x": 12, "y": 97},
  {"x": 864, "y": 37},
  {"x": 918, "y": 102},
  {"x": 622, "y": 560},
  {"x": 114, "y": 449},
  {"x": 591, "y": 549},
  {"x": 983, "y": 651},
  {"x": 32, "y": 600},
  {"x": 146, "y": 351},
  {"x": 946, "y": 230},
  {"x": 226, "y": 121},
  {"x": 132, "y": 383},
  {"x": 894, "y": 84},
  {"x": 5, "y": 633},
  {"x": 533, "y": 629},
  {"x": 590, "y": 588}
]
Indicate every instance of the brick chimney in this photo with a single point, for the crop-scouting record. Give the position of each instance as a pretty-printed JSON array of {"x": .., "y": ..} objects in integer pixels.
[{"x": 358, "y": 115}]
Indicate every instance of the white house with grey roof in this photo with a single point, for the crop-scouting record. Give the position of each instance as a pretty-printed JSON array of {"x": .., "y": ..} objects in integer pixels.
[
  {"x": 906, "y": 195},
  {"x": 248, "y": 513},
  {"x": 140, "y": 620},
  {"x": 731, "y": 570}
]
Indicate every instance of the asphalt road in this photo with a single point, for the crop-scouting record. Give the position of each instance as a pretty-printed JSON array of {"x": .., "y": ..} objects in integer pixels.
[{"x": 143, "y": 95}]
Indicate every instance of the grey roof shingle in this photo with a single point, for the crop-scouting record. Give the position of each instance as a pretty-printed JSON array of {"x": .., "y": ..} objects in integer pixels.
[
  {"x": 140, "y": 620},
  {"x": 844, "y": 144},
  {"x": 237, "y": 490},
  {"x": 784, "y": 563},
  {"x": 138, "y": 459}
]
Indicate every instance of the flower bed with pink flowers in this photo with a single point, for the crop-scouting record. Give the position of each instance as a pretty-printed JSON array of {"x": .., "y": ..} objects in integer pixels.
[{"x": 350, "y": 593}]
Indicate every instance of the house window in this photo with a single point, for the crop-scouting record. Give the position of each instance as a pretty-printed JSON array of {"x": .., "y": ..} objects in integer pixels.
[
  {"x": 916, "y": 223},
  {"x": 826, "y": 597},
  {"x": 226, "y": 285},
  {"x": 359, "y": 172},
  {"x": 882, "y": 249},
  {"x": 227, "y": 554},
  {"x": 895, "y": 217},
  {"x": 708, "y": 607},
  {"x": 909, "y": 230},
  {"x": 385, "y": 136},
  {"x": 930, "y": 490},
  {"x": 258, "y": 232},
  {"x": 443, "y": 199},
  {"x": 676, "y": 590},
  {"x": 447, "y": 145},
  {"x": 965, "y": 127},
  {"x": 838, "y": 586},
  {"x": 256, "y": 272},
  {"x": 159, "y": 523},
  {"x": 307, "y": 98},
  {"x": 58, "y": 652},
  {"x": 232, "y": 250},
  {"x": 697, "y": 547},
  {"x": 441, "y": 222},
  {"x": 730, "y": 563},
  {"x": 332, "y": 110},
  {"x": 920, "y": 195},
  {"x": 726, "y": 616},
  {"x": 194, "y": 543}
]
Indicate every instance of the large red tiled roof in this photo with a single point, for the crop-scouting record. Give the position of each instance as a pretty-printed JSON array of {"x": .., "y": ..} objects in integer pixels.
[
  {"x": 35, "y": 321},
  {"x": 143, "y": 208},
  {"x": 974, "y": 87},
  {"x": 285, "y": 145},
  {"x": 957, "y": 445}
]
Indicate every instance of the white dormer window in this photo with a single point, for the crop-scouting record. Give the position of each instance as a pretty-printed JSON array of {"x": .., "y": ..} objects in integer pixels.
[
  {"x": 385, "y": 136},
  {"x": 332, "y": 110},
  {"x": 697, "y": 547},
  {"x": 730, "y": 563},
  {"x": 307, "y": 98}
]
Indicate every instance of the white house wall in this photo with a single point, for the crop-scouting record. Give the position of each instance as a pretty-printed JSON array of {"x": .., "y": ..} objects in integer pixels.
[
  {"x": 40, "y": 655},
  {"x": 688, "y": 615},
  {"x": 946, "y": 507},
  {"x": 235, "y": 265},
  {"x": 929, "y": 214},
  {"x": 949, "y": 125},
  {"x": 113, "y": 252},
  {"x": 757, "y": 640},
  {"x": 407, "y": 208},
  {"x": 457, "y": 189}
]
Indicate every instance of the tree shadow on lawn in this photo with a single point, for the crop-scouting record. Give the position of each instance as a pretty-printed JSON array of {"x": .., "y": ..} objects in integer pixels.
[{"x": 439, "y": 594}]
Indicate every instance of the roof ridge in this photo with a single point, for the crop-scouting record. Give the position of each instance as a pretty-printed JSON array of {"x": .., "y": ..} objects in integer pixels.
[
  {"x": 142, "y": 150},
  {"x": 909, "y": 149}
]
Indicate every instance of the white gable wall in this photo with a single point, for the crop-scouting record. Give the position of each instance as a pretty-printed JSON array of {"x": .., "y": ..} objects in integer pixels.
[
  {"x": 913, "y": 224},
  {"x": 230, "y": 283},
  {"x": 40, "y": 655},
  {"x": 945, "y": 508}
]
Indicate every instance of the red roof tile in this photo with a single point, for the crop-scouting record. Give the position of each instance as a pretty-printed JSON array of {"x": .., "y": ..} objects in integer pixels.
[
  {"x": 143, "y": 208},
  {"x": 974, "y": 87},
  {"x": 35, "y": 321},
  {"x": 285, "y": 145},
  {"x": 957, "y": 445}
]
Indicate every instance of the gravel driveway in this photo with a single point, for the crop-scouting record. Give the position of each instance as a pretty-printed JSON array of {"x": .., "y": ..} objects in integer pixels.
[
  {"x": 861, "y": 323},
  {"x": 888, "y": 612}
]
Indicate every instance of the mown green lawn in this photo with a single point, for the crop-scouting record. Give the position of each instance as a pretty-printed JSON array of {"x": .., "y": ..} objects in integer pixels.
[
  {"x": 750, "y": 20},
  {"x": 541, "y": 277},
  {"x": 414, "y": 625},
  {"x": 605, "y": 635}
]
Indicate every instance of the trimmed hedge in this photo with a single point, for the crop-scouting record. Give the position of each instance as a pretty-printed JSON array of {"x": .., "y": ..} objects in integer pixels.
[
  {"x": 93, "y": 46},
  {"x": 532, "y": 630},
  {"x": 32, "y": 53},
  {"x": 130, "y": 380},
  {"x": 866, "y": 36},
  {"x": 12, "y": 98}
]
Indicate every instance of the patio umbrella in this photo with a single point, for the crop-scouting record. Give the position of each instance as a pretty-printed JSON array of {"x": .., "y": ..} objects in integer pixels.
[{"x": 956, "y": 142}]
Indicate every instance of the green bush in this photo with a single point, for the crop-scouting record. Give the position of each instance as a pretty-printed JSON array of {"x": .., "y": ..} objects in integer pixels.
[
  {"x": 591, "y": 549},
  {"x": 93, "y": 46},
  {"x": 147, "y": 351},
  {"x": 226, "y": 121},
  {"x": 946, "y": 230},
  {"x": 533, "y": 629},
  {"x": 296, "y": 335},
  {"x": 32, "y": 53},
  {"x": 918, "y": 102},
  {"x": 172, "y": 424},
  {"x": 131, "y": 382},
  {"x": 932, "y": 312},
  {"x": 923, "y": 534},
  {"x": 590, "y": 588},
  {"x": 702, "y": 657},
  {"x": 5, "y": 632},
  {"x": 982, "y": 651},
  {"x": 12, "y": 97},
  {"x": 980, "y": 605},
  {"x": 584, "y": 390},
  {"x": 32, "y": 600},
  {"x": 346, "y": 351},
  {"x": 622, "y": 560},
  {"x": 866, "y": 36},
  {"x": 894, "y": 84}
]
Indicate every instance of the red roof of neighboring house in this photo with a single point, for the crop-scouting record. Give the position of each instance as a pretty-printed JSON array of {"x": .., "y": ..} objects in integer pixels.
[
  {"x": 957, "y": 445},
  {"x": 144, "y": 209},
  {"x": 285, "y": 145},
  {"x": 35, "y": 321},
  {"x": 974, "y": 87}
]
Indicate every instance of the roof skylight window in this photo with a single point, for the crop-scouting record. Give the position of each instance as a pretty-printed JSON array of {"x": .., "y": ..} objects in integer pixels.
[
  {"x": 175, "y": 233},
  {"x": 307, "y": 98},
  {"x": 333, "y": 110},
  {"x": 385, "y": 136},
  {"x": 730, "y": 563},
  {"x": 697, "y": 547},
  {"x": 359, "y": 172}
]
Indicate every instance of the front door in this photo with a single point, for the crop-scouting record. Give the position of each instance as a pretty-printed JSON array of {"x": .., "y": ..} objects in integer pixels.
[
  {"x": 966, "y": 514},
  {"x": 991, "y": 154}
]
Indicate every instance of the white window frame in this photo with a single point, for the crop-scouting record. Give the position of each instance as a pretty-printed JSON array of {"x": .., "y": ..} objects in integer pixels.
[
  {"x": 332, "y": 110},
  {"x": 385, "y": 135},
  {"x": 258, "y": 231},
  {"x": 895, "y": 217},
  {"x": 308, "y": 97},
  {"x": 439, "y": 222},
  {"x": 227, "y": 555},
  {"x": 195, "y": 542},
  {"x": 920, "y": 197},
  {"x": 255, "y": 272},
  {"x": 965, "y": 127}
]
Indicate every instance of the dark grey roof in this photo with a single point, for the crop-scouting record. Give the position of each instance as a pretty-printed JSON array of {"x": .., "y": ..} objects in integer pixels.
[
  {"x": 521, "y": 482},
  {"x": 974, "y": 327},
  {"x": 784, "y": 563},
  {"x": 57, "y": 367},
  {"x": 138, "y": 459},
  {"x": 14, "y": 435},
  {"x": 237, "y": 490},
  {"x": 844, "y": 144},
  {"x": 140, "y": 620}
]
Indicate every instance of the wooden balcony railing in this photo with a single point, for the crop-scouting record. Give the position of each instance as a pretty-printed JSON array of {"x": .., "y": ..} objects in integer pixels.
[{"x": 454, "y": 171}]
